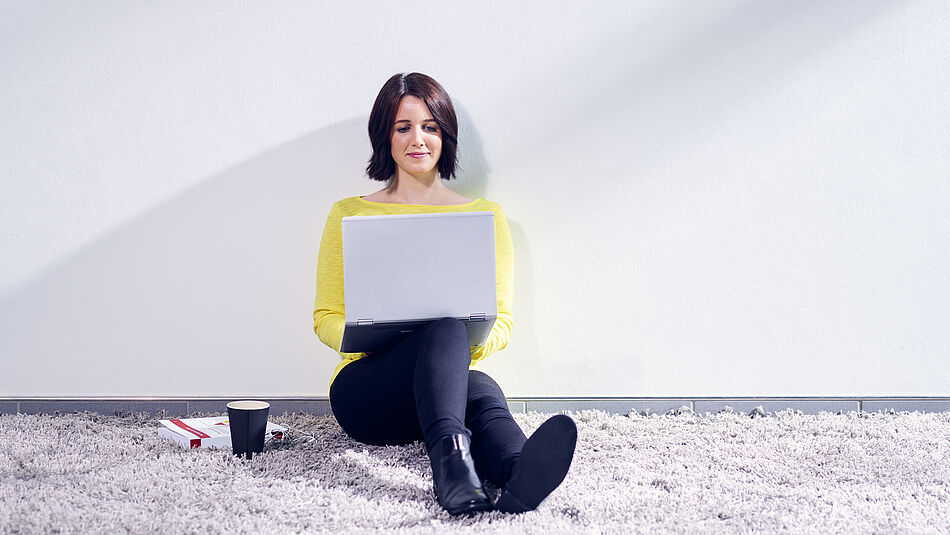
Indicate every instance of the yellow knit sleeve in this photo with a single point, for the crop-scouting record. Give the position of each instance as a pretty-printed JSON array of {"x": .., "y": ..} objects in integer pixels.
[
  {"x": 504, "y": 274},
  {"x": 329, "y": 317},
  {"x": 328, "y": 311}
]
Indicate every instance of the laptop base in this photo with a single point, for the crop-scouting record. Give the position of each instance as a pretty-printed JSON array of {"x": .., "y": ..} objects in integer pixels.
[{"x": 361, "y": 338}]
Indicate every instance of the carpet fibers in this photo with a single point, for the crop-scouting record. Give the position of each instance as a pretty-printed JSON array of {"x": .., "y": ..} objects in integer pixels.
[{"x": 672, "y": 473}]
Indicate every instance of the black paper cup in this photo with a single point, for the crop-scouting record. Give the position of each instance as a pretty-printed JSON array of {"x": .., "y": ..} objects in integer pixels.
[{"x": 248, "y": 422}]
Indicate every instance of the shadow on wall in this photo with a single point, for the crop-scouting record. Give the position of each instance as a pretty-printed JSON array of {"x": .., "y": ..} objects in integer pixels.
[
  {"x": 211, "y": 293},
  {"x": 473, "y": 169}
]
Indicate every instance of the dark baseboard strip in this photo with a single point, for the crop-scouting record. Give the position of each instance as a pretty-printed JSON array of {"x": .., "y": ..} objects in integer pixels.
[
  {"x": 177, "y": 408},
  {"x": 161, "y": 408},
  {"x": 768, "y": 405}
]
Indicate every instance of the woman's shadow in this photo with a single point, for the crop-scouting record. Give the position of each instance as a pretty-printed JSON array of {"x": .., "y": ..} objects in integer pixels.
[
  {"x": 322, "y": 453},
  {"x": 208, "y": 293}
]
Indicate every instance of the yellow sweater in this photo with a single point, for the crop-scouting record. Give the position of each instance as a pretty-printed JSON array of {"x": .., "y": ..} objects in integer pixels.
[{"x": 328, "y": 310}]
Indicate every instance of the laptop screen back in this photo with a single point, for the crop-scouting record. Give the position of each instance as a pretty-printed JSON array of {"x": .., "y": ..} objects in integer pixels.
[{"x": 419, "y": 266}]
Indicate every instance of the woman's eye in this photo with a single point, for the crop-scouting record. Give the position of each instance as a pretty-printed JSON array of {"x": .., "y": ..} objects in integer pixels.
[{"x": 427, "y": 128}]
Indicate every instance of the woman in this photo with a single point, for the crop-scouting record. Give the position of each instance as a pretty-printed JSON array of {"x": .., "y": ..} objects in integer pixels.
[{"x": 422, "y": 388}]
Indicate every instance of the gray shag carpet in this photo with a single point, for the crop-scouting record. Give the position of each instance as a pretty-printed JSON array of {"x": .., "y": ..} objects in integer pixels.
[{"x": 671, "y": 473}]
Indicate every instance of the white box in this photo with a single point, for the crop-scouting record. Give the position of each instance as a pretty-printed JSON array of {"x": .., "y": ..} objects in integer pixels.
[{"x": 213, "y": 432}]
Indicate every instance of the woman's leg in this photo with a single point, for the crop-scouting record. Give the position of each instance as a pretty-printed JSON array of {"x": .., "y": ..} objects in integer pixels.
[
  {"x": 440, "y": 385},
  {"x": 372, "y": 399},
  {"x": 414, "y": 390},
  {"x": 417, "y": 390},
  {"x": 496, "y": 437},
  {"x": 526, "y": 470},
  {"x": 440, "y": 380}
]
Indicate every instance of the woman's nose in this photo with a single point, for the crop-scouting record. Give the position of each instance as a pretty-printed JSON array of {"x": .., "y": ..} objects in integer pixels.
[{"x": 417, "y": 137}]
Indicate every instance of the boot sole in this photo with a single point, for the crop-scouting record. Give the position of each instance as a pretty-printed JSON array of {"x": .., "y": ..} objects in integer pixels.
[
  {"x": 470, "y": 508},
  {"x": 543, "y": 465}
]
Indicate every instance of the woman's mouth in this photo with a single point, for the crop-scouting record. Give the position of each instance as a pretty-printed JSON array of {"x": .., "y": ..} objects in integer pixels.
[{"x": 418, "y": 155}]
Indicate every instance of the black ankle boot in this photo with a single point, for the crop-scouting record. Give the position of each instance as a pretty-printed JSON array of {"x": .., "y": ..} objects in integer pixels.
[
  {"x": 457, "y": 486},
  {"x": 543, "y": 464}
]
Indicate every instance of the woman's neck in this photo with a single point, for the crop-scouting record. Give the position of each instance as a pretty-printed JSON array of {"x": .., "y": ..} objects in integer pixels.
[{"x": 411, "y": 190}]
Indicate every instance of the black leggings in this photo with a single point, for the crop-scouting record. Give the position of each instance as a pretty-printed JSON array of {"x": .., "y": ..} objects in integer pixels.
[{"x": 422, "y": 389}]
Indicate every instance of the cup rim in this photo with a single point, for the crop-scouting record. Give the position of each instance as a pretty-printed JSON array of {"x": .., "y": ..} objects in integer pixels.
[{"x": 248, "y": 405}]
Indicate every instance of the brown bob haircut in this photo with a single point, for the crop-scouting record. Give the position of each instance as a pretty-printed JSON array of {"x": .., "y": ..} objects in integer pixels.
[{"x": 381, "y": 165}]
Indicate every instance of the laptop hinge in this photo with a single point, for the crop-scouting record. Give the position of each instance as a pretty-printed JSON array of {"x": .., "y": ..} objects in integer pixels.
[
  {"x": 365, "y": 321},
  {"x": 477, "y": 317}
]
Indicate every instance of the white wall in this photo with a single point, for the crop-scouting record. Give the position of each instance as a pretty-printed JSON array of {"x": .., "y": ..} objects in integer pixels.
[{"x": 706, "y": 198}]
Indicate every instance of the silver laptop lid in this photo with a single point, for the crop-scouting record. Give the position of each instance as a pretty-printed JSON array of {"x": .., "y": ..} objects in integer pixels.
[{"x": 419, "y": 266}]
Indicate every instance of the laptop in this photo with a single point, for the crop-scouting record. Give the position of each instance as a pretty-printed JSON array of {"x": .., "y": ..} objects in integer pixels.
[{"x": 402, "y": 272}]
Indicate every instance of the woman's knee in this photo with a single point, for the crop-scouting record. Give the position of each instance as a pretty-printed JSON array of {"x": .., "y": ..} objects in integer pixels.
[
  {"x": 447, "y": 338},
  {"x": 483, "y": 388},
  {"x": 448, "y": 327},
  {"x": 486, "y": 403}
]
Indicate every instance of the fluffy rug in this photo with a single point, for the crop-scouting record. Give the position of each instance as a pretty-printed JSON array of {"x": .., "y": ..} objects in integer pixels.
[{"x": 673, "y": 473}]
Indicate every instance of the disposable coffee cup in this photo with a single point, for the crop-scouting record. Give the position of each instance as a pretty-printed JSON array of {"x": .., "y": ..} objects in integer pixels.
[{"x": 248, "y": 422}]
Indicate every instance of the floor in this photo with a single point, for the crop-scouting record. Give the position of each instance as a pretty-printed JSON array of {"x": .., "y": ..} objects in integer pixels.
[{"x": 175, "y": 407}]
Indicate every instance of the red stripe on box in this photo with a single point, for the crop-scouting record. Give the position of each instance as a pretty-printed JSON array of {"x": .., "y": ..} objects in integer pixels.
[{"x": 190, "y": 429}]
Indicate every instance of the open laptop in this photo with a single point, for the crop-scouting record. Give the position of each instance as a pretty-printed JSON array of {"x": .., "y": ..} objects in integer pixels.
[{"x": 402, "y": 272}]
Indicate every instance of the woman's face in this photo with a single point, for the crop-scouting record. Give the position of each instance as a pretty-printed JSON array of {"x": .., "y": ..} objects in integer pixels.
[{"x": 416, "y": 139}]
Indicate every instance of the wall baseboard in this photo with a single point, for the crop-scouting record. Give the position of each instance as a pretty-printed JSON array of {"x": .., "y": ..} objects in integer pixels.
[{"x": 180, "y": 407}]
